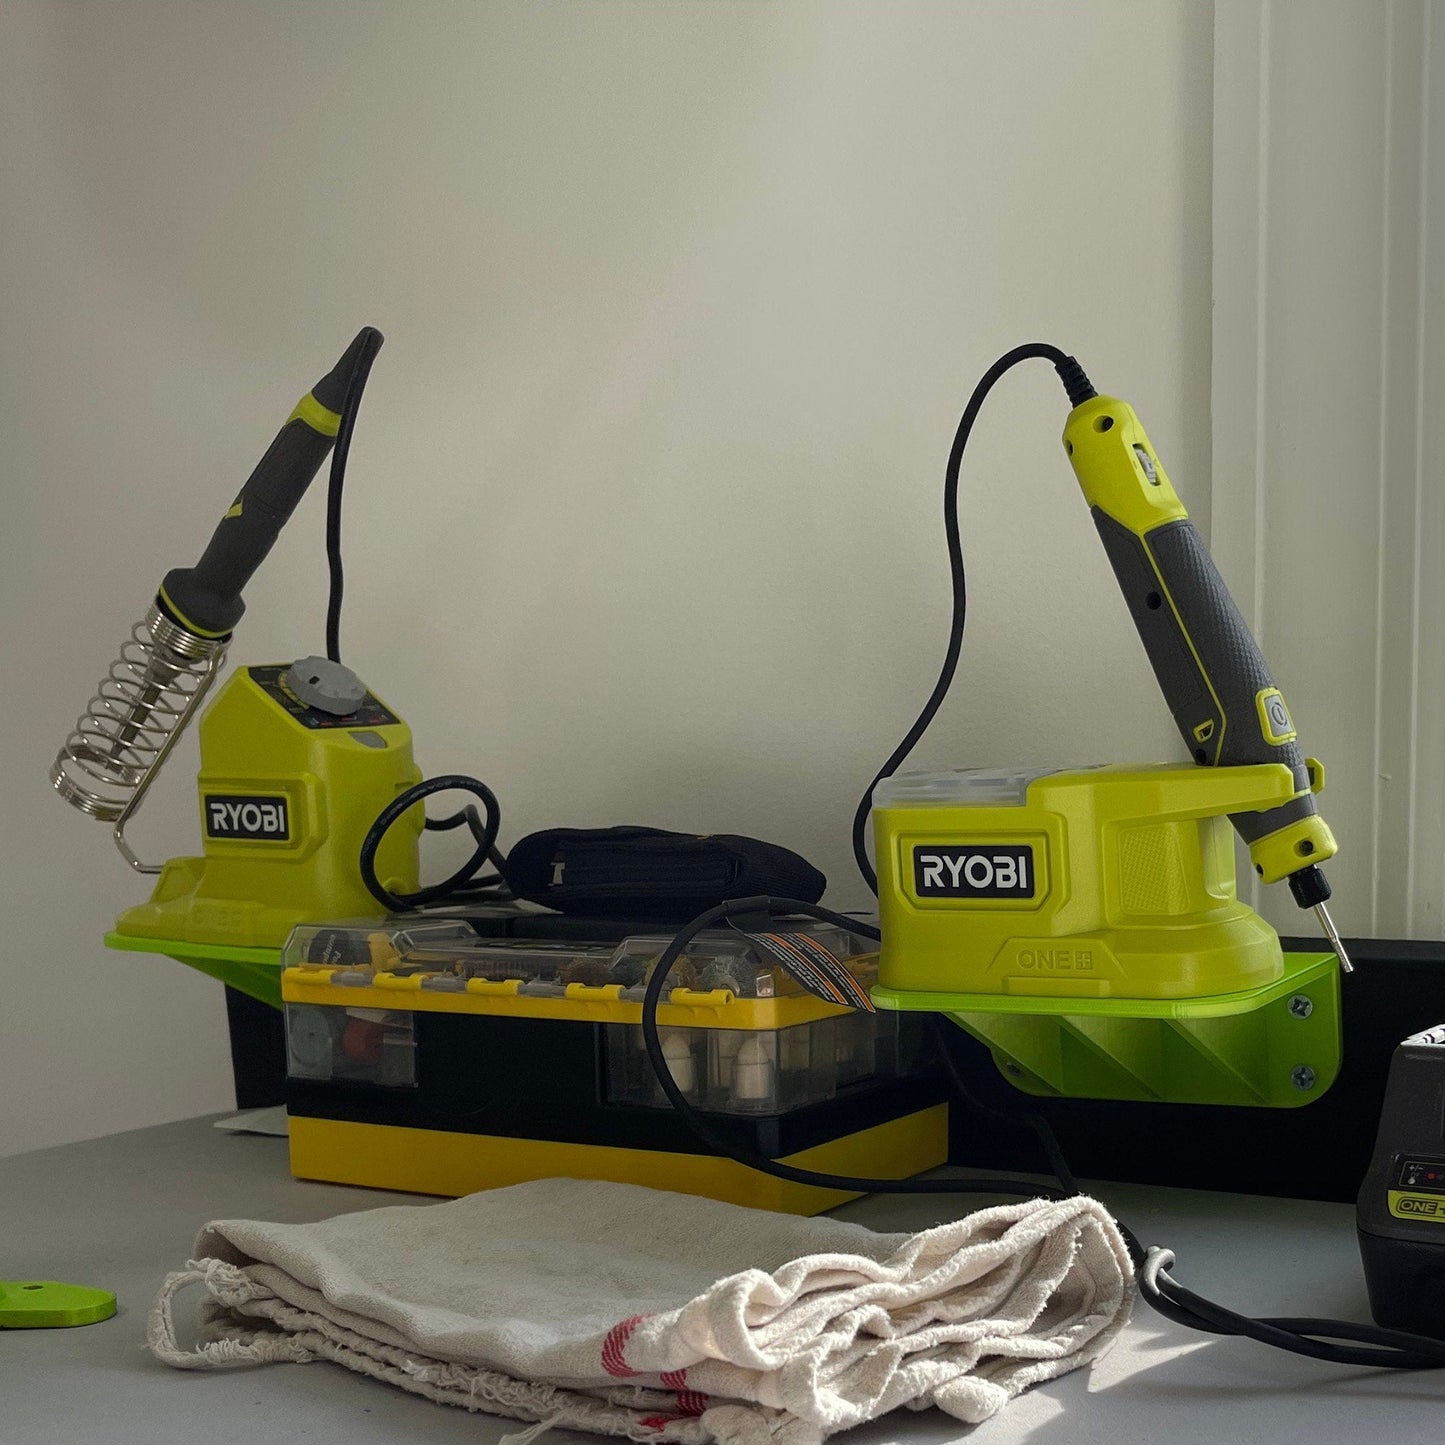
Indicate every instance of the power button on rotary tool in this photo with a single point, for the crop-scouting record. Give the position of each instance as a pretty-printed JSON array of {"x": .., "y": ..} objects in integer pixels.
[{"x": 1274, "y": 719}]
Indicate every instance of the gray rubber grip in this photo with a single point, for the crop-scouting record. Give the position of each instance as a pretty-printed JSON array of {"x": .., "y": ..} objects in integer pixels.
[
  {"x": 208, "y": 595},
  {"x": 1177, "y": 597}
]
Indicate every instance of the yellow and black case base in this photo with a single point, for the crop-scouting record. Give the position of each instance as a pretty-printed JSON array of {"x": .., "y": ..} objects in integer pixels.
[{"x": 394, "y": 1083}]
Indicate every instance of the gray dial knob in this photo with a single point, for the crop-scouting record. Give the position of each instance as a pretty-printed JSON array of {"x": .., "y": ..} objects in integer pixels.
[{"x": 325, "y": 685}]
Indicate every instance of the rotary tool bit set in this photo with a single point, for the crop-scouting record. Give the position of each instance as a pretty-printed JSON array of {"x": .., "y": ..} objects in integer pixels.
[
  {"x": 423, "y": 1057},
  {"x": 683, "y": 1012}
]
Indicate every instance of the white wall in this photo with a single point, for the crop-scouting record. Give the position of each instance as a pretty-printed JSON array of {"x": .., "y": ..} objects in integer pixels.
[
  {"x": 682, "y": 303},
  {"x": 1329, "y": 436}
]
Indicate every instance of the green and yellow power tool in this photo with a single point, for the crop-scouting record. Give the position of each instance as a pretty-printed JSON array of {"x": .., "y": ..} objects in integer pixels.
[
  {"x": 297, "y": 760},
  {"x": 1210, "y": 669},
  {"x": 1084, "y": 922},
  {"x": 293, "y": 758}
]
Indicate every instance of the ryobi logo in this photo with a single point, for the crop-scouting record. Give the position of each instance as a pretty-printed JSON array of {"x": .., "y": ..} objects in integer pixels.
[
  {"x": 1417, "y": 1206},
  {"x": 239, "y": 817},
  {"x": 981, "y": 870}
]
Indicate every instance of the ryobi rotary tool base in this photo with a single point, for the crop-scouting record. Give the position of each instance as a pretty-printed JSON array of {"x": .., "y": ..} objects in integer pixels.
[{"x": 1084, "y": 925}]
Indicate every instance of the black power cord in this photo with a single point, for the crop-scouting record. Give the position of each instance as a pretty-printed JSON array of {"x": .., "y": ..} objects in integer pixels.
[
  {"x": 1077, "y": 385},
  {"x": 1036, "y": 1124},
  {"x": 350, "y": 405},
  {"x": 1390, "y": 1349},
  {"x": 718, "y": 1142},
  {"x": 463, "y": 883},
  {"x": 1382, "y": 1347},
  {"x": 1316, "y": 1338}
]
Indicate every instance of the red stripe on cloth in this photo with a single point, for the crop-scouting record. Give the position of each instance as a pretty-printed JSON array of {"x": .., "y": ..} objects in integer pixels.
[
  {"x": 657, "y": 1422},
  {"x": 614, "y": 1360},
  {"x": 691, "y": 1402}
]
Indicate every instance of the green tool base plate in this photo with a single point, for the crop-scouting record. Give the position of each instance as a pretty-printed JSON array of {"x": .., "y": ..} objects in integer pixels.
[
  {"x": 254, "y": 971},
  {"x": 46, "y": 1305},
  {"x": 1275, "y": 1047}
]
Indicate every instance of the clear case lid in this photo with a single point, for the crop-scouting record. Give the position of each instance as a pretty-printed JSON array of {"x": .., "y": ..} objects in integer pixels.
[
  {"x": 960, "y": 787},
  {"x": 361, "y": 943},
  {"x": 450, "y": 952}
]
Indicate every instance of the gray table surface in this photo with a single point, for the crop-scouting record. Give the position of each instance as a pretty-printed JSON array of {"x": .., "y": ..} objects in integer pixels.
[{"x": 121, "y": 1211}]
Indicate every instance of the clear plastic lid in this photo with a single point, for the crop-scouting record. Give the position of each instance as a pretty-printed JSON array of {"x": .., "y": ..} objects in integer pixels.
[
  {"x": 723, "y": 958},
  {"x": 553, "y": 964},
  {"x": 960, "y": 787},
  {"x": 369, "y": 944},
  {"x": 449, "y": 953}
]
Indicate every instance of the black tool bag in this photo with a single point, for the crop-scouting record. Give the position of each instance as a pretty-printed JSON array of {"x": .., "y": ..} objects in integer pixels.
[{"x": 650, "y": 873}]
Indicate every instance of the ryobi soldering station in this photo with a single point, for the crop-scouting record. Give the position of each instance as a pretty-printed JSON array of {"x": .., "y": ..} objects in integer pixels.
[{"x": 562, "y": 1015}]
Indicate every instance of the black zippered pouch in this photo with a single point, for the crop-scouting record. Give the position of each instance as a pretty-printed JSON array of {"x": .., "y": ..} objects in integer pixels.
[{"x": 648, "y": 872}]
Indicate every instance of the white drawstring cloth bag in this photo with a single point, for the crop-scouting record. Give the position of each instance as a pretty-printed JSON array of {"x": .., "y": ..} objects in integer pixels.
[{"x": 655, "y": 1316}]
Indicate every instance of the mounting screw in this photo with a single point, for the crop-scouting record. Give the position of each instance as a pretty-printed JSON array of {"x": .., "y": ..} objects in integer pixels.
[
  {"x": 1303, "y": 1076},
  {"x": 1301, "y": 1006},
  {"x": 1013, "y": 1069}
]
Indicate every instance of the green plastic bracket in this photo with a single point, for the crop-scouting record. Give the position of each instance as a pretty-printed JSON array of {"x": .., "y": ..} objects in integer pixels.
[
  {"x": 1273, "y": 1047},
  {"x": 46, "y": 1305},
  {"x": 254, "y": 971}
]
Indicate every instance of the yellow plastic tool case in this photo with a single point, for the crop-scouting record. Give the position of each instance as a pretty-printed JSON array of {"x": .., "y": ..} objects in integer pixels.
[{"x": 422, "y": 1057}]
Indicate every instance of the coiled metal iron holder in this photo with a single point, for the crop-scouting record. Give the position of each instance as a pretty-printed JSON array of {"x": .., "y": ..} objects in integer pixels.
[{"x": 133, "y": 722}]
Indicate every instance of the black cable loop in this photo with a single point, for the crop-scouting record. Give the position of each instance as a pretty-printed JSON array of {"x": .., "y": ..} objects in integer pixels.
[
  {"x": 718, "y": 1143},
  {"x": 485, "y": 835}
]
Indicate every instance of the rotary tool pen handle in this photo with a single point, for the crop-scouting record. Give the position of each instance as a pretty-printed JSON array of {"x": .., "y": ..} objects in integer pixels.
[
  {"x": 1208, "y": 664},
  {"x": 206, "y": 598}
]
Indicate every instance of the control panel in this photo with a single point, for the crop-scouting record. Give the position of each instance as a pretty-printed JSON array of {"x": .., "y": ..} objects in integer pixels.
[{"x": 371, "y": 712}]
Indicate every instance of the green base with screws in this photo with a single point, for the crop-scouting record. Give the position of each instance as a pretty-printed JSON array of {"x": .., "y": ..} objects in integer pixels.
[
  {"x": 1274, "y": 1047},
  {"x": 45, "y": 1305}
]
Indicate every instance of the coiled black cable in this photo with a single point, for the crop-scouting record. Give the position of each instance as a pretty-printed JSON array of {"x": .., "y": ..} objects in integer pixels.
[
  {"x": 718, "y": 1142},
  {"x": 460, "y": 884}
]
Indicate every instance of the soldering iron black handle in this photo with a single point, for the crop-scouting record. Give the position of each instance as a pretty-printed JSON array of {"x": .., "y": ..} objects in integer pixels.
[{"x": 206, "y": 599}]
